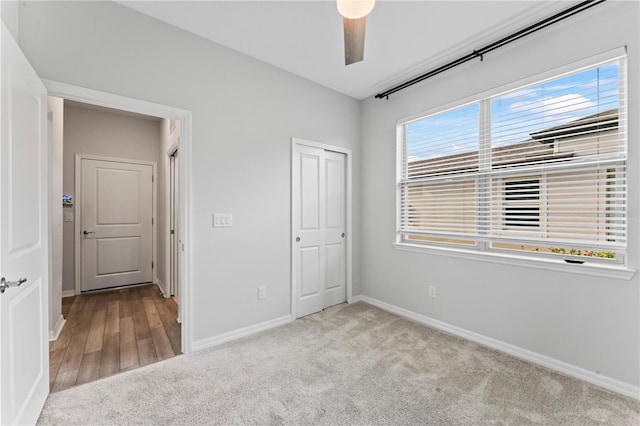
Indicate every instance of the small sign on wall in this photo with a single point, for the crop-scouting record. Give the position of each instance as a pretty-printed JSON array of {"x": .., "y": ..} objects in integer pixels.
[{"x": 67, "y": 200}]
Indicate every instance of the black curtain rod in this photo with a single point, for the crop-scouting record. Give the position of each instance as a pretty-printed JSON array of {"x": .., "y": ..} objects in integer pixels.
[{"x": 479, "y": 53}]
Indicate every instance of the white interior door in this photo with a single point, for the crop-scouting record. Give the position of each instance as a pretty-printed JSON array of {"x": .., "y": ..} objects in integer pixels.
[
  {"x": 116, "y": 223},
  {"x": 24, "y": 355},
  {"x": 319, "y": 250},
  {"x": 334, "y": 214}
]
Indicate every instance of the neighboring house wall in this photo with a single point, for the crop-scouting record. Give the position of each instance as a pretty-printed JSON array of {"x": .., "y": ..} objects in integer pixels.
[
  {"x": 585, "y": 321},
  {"x": 604, "y": 142},
  {"x": 244, "y": 115},
  {"x": 563, "y": 192},
  {"x": 107, "y": 134},
  {"x": 448, "y": 207},
  {"x": 560, "y": 194}
]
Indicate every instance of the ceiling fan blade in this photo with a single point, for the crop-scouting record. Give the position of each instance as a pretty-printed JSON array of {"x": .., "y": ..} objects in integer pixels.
[{"x": 354, "y": 39}]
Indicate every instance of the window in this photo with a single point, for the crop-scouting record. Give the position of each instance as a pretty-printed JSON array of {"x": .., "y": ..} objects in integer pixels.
[{"x": 539, "y": 170}]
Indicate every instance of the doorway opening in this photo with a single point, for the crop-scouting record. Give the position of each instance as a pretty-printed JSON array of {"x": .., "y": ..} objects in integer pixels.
[{"x": 116, "y": 326}]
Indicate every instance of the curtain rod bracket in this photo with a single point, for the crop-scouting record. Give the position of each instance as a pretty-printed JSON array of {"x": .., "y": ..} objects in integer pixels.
[{"x": 475, "y": 52}]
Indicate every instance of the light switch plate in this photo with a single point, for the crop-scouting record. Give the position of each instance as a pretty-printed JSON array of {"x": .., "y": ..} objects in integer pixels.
[
  {"x": 222, "y": 220},
  {"x": 68, "y": 217}
]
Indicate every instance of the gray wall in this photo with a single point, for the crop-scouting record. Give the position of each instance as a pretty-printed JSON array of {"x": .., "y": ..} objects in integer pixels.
[
  {"x": 106, "y": 134},
  {"x": 586, "y": 321},
  {"x": 10, "y": 12},
  {"x": 244, "y": 114}
]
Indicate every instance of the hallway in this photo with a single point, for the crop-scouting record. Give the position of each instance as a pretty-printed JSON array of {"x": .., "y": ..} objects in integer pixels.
[{"x": 110, "y": 332}]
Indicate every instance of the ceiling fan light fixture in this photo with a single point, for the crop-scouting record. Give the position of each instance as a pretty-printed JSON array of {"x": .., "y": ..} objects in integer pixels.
[{"x": 355, "y": 9}]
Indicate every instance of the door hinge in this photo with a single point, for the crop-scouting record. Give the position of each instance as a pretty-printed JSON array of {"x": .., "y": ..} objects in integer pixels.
[
  {"x": 152, "y": 221},
  {"x": 152, "y": 178},
  {"x": 172, "y": 232},
  {"x": 152, "y": 264}
]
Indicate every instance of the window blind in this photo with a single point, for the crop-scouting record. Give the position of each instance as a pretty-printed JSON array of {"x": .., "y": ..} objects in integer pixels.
[{"x": 541, "y": 168}]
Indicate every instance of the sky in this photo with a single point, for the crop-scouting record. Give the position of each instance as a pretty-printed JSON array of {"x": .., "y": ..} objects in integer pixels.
[{"x": 516, "y": 114}]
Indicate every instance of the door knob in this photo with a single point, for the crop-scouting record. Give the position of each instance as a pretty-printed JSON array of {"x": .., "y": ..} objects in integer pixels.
[
  {"x": 342, "y": 235},
  {"x": 85, "y": 232},
  {"x": 4, "y": 284},
  {"x": 297, "y": 239}
]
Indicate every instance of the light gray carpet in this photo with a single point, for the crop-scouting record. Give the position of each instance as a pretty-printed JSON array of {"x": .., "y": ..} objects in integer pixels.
[{"x": 351, "y": 364}]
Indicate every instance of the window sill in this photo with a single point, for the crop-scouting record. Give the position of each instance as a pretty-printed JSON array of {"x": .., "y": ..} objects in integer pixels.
[{"x": 594, "y": 269}]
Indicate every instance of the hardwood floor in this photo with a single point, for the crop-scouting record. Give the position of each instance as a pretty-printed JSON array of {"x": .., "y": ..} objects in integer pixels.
[{"x": 110, "y": 332}]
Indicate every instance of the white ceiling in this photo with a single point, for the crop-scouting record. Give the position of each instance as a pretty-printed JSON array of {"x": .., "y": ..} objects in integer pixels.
[{"x": 403, "y": 38}]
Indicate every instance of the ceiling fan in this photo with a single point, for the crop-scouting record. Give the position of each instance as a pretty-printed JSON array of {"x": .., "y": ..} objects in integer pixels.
[{"x": 354, "y": 17}]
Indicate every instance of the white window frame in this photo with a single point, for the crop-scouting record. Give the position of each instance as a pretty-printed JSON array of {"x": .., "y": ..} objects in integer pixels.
[{"x": 482, "y": 251}]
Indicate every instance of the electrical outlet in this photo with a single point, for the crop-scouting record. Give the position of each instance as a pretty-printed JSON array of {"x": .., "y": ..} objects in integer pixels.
[
  {"x": 432, "y": 291},
  {"x": 262, "y": 292}
]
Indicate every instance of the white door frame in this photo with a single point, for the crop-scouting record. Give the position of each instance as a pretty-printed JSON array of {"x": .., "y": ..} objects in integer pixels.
[
  {"x": 78, "y": 212},
  {"x": 173, "y": 149},
  {"x": 110, "y": 100},
  {"x": 348, "y": 224}
]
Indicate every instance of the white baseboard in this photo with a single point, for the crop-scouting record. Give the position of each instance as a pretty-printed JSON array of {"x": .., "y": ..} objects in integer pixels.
[
  {"x": 357, "y": 298},
  {"x": 162, "y": 288},
  {"x": 525, "y": 354},
  {"x": 55, "y": 333},
  {"x": 242, "y": 332},
  {"x": 68, "y": 293}
]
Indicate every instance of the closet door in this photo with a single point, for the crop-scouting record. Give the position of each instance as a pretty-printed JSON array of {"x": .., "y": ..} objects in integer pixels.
[{"x": 319, "y": 249}]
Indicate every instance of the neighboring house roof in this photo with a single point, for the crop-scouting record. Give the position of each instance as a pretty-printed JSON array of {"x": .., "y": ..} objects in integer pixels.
[{"x": 536, "y": 149}]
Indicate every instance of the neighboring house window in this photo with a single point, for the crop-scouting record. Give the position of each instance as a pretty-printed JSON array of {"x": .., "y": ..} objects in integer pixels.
[
  {"x": 540, "y": 169},
  {"x": 521, "y": 204}
]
